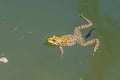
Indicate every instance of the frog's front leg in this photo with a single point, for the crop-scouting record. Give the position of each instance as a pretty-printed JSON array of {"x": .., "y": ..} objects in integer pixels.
[{"x": 61, "y": 51}]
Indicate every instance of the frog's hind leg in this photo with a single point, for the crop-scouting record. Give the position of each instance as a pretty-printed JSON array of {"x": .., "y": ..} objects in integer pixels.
[
  {"x": 80, "y": 39},
  {"x": 91, "y": 42},
  {"x": 89, "y": 23},
  {"x": 77, "y": 32}
]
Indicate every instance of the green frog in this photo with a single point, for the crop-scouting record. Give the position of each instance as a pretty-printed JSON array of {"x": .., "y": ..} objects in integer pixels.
[{"x": 76, "y": 37}]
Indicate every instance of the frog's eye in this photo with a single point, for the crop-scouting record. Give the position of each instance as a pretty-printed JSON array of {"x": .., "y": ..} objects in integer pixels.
[
  {"x": 53, "y": 36},
  {"x": 54, "y": 40}
]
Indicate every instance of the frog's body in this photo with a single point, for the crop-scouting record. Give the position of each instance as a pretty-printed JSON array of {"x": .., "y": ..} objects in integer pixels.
[
  {"x": 69, "y": 40},
  {"x": 66, "y": 40}
]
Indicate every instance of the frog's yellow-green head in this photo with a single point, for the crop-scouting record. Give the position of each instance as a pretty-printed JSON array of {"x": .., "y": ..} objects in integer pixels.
[{"x": 55, "y": 40}]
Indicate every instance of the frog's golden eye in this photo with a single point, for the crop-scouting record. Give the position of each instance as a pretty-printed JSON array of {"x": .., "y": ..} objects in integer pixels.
[
  {"x": 54, "y": 40},
  {"x": 53, "y": 36}
]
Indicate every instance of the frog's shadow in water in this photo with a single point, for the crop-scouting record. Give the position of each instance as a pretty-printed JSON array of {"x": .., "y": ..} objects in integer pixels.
[{"x": 89, "y": 33}]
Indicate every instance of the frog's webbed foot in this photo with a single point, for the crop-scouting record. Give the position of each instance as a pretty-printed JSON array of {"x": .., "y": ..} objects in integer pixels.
[{"x": 61, "y": 51}]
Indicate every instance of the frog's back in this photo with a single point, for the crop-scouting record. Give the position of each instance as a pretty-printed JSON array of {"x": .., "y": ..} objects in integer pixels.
[{"x": 68, "y": 40}]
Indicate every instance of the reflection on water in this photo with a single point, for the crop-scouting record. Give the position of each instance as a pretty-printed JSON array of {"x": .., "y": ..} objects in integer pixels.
[
  {"x": 3, "y": 59},
  {"x": 24, "y": 26}
]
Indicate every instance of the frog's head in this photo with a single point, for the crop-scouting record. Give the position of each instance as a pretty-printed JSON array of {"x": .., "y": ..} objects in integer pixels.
[{"x": 54, "y": 40}]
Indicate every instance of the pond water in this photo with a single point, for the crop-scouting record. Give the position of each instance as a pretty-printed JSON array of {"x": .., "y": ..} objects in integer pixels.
[{"x": 25, "y": 25}]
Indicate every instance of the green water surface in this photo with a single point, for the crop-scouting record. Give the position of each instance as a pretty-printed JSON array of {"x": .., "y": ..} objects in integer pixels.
[{"x": 31, "y": 59}]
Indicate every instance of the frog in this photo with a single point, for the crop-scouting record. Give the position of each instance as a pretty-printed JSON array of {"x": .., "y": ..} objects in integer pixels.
[{"x": 76, "y": 37}]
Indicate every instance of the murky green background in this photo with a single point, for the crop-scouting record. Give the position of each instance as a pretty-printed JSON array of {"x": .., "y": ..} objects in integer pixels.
[{"x": 30, "y": 59}]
